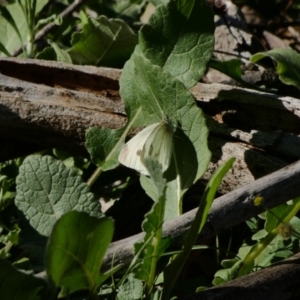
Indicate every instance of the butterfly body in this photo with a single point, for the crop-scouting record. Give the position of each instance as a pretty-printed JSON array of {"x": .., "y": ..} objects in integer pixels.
[{"x": 153, "y": 141}]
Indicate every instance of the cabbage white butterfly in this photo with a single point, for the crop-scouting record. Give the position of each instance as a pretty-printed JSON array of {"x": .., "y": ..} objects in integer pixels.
[{"x": 153, "y": 141}]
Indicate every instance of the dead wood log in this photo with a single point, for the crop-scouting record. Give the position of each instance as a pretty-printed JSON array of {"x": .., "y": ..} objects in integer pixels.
[
  {"x": 50, "y": 104},
  {"x": 278, "y": 282},
  {"x": 227, "y": 211}
]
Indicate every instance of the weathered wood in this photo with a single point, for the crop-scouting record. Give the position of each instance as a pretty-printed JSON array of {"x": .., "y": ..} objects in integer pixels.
[
  {"x": 250, "y": 163},
  {"x": 249, "y": 109},
  {"x": 278, "y": 282},
  {"x": 104, "y": 82},
  {"x": 227, "y": 211},
  {"x": 276, "y": 142},
  {"x": 57, "y": 74},
  {"x": 54, "y": 104},
  {"x": 48, "y": 104}
]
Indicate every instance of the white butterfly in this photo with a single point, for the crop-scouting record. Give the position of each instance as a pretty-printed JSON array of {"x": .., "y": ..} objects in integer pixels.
[{"x": 153, "y": 141}]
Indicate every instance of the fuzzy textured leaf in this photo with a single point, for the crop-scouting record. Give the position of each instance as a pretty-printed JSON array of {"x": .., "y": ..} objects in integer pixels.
[
  {"x": 167, "y": 96},
  {"x": 46, "y": 189},
  {"x": 177, "y": 41}
]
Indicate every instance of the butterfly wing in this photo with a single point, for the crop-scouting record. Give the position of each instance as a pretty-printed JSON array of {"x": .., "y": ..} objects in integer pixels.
[
  {"x": 159, "y": 144},
  {"x": 131, "y": 153}
]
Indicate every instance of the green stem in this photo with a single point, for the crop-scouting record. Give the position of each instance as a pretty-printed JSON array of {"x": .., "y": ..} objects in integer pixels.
[
  {"x": 94, "y": 177},
  {"x": 27, "y": 14},
  {"x": 259, "y": 247},
  {"x": 155, "y": 256},
  {"x": 31, "y": 8},
  {"x": 99, "y": 170},
  {"x": 255, "y": 251}
]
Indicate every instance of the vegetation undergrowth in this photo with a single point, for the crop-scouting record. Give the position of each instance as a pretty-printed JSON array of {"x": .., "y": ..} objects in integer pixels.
[{"x": 51, "y": 223}]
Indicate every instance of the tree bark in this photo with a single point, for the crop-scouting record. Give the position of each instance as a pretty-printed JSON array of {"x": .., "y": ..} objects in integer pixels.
[
  {"x": 51, "y": 105},
  {"x": 278, "y": 282},
  {"x": 226, "y": 211}
]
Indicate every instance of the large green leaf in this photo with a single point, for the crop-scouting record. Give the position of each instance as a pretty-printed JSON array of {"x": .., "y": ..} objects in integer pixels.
[
  {"x": 167, "y": 96},
  {"x": 103, "y": 42},
  {"x": 46, "y": 189},
  {"x": 151, "y": 91},
  {"x": 288, "y": 64},
  {"x": 180, "y": 38},
  {"x": 75, "y": 251}
]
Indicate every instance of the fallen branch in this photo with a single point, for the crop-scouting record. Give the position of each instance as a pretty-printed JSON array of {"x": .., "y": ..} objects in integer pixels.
[
  {"x": 278, "y": 282},
  {"x": 48, "y": 104},
  {"x": 40, "y": 116},
  {"x": 227, "y": 211}
]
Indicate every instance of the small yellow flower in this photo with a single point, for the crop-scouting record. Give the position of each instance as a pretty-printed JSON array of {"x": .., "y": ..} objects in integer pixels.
[{"x": 258, "y": 200}]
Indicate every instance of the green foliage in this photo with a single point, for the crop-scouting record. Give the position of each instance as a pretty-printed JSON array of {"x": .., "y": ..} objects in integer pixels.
[
  {"x": 17, "y": 24},
  {"x": 172, "y": 271},
  {"x": 15, "y": 284},
  {"x": 74, "y": 255},
  {"x": 271, "y": 244},
  {"x": 104, "y": 146},
  {"x": 288, "y": 65},
  {"x": 55, "y": 221},
  {"x": 9, "y": 240},
  {"x": 177, "y": 42},
  {"x": 75, "y": 251},
  {"x": 231, "y": 68},
  {"x": 60, "y": 54},
  {"x": 129, "y": 10},
  {"x": 159, "y": 2},
  {"x": 153, "y": 246},
  {"x": 8, "y": 172},
  {"x": 46, "y": 189},
  {"x": 103, "y": 42},
  {"x": 131, "y": 288},
  {"x": 148, "y": 75}
]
